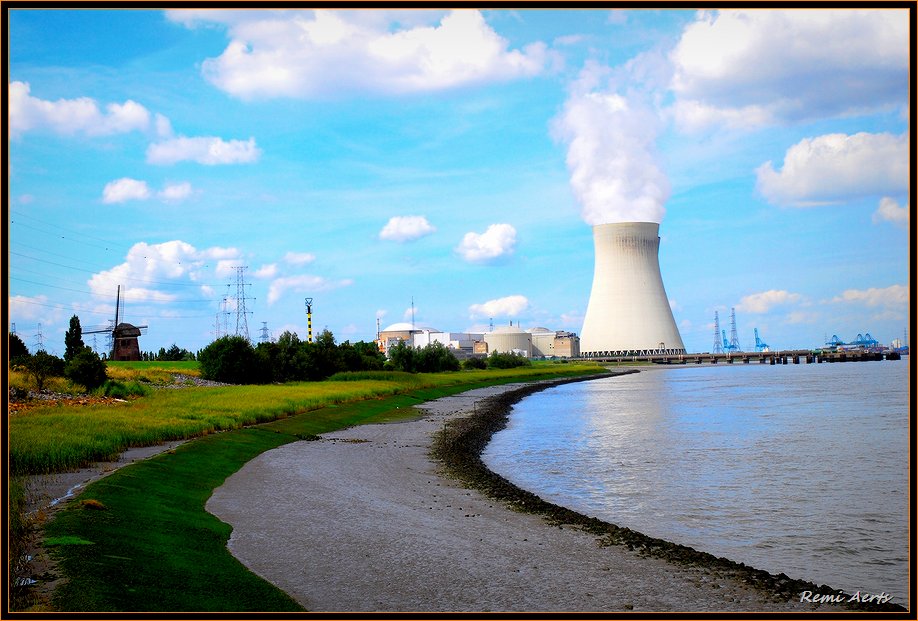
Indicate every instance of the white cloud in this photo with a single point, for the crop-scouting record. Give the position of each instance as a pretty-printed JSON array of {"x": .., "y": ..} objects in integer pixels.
[
  {"x": 303, "y": 283},
  {"x": 611, "y": 155},
  {"x": 766, "y": 300},
  {"x": 72, "y": 116},
  {"x": 835, "y": 167},
  {"x": 319, "y": 53},
  {"x": 509, "y": 306},
  {"x": 23, "y": 307},
  {"x": 894, "y": 296},
  {"x": 497, "y": 241},
  {"x": 175, "y": 192},
  {"x": 125, "y": 189},
  {"x": 266, "y": 271},
  {"x": 299, "y": 258},
  {"x": 789, "y": 65},
  {"x": 406, "y": 228},
  {"x": 209, "y": 150},
  {"x": 150, "y": 268},
  {"x": 890, "y": 211}
]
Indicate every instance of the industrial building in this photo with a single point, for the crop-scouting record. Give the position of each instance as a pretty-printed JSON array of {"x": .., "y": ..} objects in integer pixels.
[
  {"x": 534, "y": 343},
  {"x": 628, "y": 312}
]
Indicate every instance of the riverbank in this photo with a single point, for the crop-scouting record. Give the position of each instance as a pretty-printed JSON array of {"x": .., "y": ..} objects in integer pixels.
[{"x": 364, "y": 520}]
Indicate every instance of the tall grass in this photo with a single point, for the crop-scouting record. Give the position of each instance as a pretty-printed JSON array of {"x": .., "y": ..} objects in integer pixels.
[{"x": 54, "y": 439}]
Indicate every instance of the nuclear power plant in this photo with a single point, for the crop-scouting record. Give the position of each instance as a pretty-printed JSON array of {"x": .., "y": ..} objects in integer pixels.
[{"x": 628, "y": 312}]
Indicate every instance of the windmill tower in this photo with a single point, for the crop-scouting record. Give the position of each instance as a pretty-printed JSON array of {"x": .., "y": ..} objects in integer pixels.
[
  {"x": 628, "y": 312},
  {"x": 123, "y": 336}
]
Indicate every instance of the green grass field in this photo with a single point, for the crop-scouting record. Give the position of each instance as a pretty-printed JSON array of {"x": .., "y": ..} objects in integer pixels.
[
  {"x": 53, "y": 439},
  {"x": 140, "y": 539}
]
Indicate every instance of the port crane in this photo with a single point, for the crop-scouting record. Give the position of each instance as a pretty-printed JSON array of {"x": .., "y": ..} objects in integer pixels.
[{"x": 760, "y": 345}]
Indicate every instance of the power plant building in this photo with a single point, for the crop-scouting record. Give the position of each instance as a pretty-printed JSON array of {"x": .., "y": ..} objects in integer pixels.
[
  {"x": 628, "y": 312},
  {"x": 554, "y": 344},
  {"x": 509, "y": 340}
]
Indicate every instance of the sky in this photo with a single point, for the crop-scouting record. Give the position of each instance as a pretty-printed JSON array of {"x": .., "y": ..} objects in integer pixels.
[{"x": 446, "y": 166}]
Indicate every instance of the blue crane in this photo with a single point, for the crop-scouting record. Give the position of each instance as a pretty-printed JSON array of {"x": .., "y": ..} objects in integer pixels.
[
  {"x": 760, "y": 345},
  {"x": 728, "y": 346}
]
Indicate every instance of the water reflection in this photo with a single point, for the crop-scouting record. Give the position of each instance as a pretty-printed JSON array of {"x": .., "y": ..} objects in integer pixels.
[{"x": 800, "y": 469}]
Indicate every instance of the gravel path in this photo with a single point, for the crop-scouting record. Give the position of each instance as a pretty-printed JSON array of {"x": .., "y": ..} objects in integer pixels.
[{"x": 362, "y": 521}]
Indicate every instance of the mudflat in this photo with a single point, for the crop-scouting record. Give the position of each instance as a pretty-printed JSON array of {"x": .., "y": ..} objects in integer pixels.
[{"x": 363, "y": 520}]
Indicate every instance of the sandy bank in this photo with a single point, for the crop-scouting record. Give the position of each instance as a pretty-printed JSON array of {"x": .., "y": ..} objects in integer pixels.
[{"x": 362, "y": 521}]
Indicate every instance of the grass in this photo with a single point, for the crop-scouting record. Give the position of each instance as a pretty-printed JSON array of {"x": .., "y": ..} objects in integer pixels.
[
  {"x": 53, "y": 439},
  {"x": 140, "y": 539}
]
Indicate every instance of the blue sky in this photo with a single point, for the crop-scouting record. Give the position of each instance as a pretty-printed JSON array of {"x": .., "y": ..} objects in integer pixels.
[{"x": 458, "y": 159}]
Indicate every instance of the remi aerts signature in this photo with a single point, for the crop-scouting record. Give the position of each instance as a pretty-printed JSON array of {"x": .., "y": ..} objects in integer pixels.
[{"x": 835, "y": 598}]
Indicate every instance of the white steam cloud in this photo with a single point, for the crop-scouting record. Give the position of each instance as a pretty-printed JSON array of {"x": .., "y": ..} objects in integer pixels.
[{"x": 611, "y": 154}]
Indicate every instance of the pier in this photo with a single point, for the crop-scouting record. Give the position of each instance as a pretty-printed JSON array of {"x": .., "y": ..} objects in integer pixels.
[{"x": 796, "y": 356}]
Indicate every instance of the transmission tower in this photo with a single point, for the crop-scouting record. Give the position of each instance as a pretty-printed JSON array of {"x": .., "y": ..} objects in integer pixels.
[
  {"x": 734, "y": 339},
  {"x": 13, "y": 331},
  {"x": 265, "y": 335},
  {"x": 39, "y": 343},
  {"x": 242, "y": 322},
  {"x": 718, "y": 346}
]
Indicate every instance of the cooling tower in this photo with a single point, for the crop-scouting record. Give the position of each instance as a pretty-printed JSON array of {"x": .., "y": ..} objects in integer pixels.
[{"x": 629, "y": 312}]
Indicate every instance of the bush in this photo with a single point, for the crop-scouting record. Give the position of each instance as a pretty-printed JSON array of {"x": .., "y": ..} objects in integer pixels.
[
  {"x": 119, "y": 390},
  {"x": 230, "y": 359},
  {"x": 436, "y": 358},
  {"x": 500, "y": 360},
  {"x": 42, "y": 366},
  {"x": 474, "y": 362},
  {"x": 86, "y": 368}
]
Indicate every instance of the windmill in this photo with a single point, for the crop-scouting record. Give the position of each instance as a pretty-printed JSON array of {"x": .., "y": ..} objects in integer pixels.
[{"x": 123, "y": 335}]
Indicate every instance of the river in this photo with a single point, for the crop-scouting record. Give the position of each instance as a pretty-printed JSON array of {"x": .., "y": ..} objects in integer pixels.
[{"x": 800, "y": 469}]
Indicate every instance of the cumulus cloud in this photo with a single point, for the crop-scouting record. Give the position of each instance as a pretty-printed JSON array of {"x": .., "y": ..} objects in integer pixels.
[
  {"x": 835, "y": 167},
  {"x": 125, "y": 189},
  {"x": 750, "y": 66},
  {"x": 611, "y": 153},
  {"x": 25, "y": 307},
  {"x": 266, "y": 271},
  {"x": 890, "y": 211},
  {"x": 406, "y": 228},
  {"x": 72, "y": 116},
  {"x": 149, "y": 269},
  {"x": 209, "y": 150},
  {"x": 497, "y": 241},
  {"x": 306, "y": 54},
  {"x": 303, "y": 283},
  {"x": 509, "y": 306},
  {"x": 175, "y": 192},
  {"x": 894, "y": 296},
  {"x": 766, "y": 300},
  {"x": 299, "y": 258}
]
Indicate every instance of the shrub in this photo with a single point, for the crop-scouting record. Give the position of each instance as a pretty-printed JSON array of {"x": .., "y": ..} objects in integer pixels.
[
  {"x": 435, "y": 358},
  {"x": 474, "y": 363},
  {"x": 121, "y": 390},
  {"x": 17, "y": 349},
  {"x": 500, "y": 360},
  {"x": 42, "y": 366},
  {"x": 230, "y": 359},
  {"x": 86, "y": 368}
]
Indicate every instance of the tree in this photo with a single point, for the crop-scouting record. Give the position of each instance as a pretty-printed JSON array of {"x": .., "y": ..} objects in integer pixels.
[
  {"x": 41, "y": 366},
  {"x": 86, "y": 368},
  {"x": 322, "y": 358},
  {"x": 500, "y": 360},
  {"x": 435, "y": 358},
  {"x": 402, "y": 357},
  {"x": 230, "y": 359},
  {"x": 17, "y": 349},
  {"x": 73, "y": 339}
]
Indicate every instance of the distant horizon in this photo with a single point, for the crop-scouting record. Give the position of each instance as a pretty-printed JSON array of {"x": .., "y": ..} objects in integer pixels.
[{"x": 451, "y": 164}]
